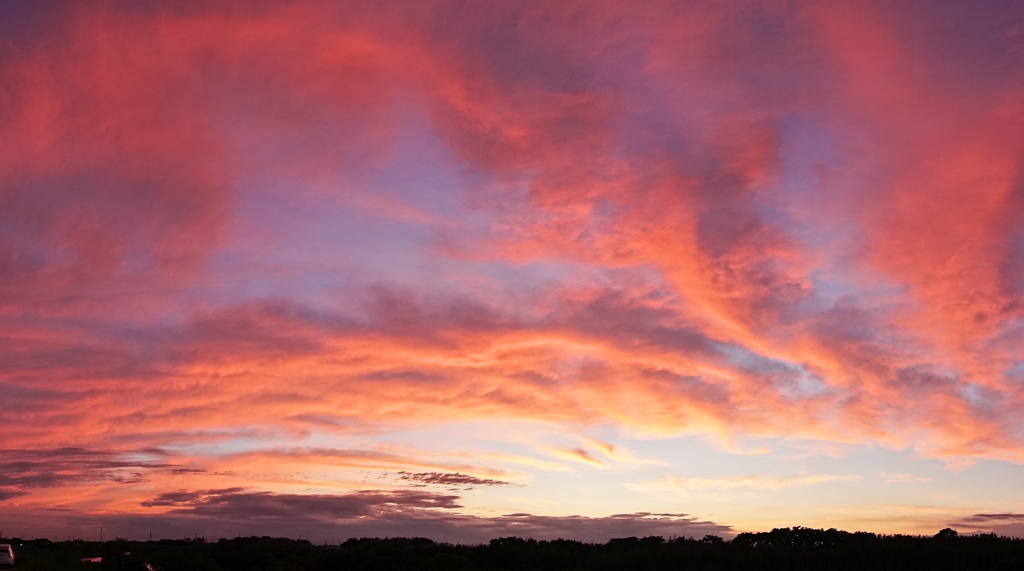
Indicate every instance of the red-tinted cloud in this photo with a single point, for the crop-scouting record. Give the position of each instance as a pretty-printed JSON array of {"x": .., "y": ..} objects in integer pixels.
[{"x": 223, "y": 229}]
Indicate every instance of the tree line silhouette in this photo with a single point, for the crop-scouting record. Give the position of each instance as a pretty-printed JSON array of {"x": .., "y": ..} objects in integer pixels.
[{"x": 794, "y": 548}]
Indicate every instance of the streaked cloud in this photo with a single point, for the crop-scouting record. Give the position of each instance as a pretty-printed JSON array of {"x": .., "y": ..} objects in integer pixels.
[
  {"x": 903, "y": 478},
  {"x": 449, "y": 479},
  {"x": 743, "y": 484},
  {"x": 21, "y": 471}
]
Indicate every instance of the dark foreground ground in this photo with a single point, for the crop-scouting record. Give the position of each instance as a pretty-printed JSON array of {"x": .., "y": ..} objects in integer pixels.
[{"x": 790, "y": 549}]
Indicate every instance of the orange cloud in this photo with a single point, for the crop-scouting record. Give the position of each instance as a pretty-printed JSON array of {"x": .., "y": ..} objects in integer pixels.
[{"x": 271, "y": 239}]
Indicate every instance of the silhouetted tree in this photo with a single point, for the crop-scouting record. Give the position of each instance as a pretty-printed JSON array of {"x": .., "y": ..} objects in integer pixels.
[{"x": 797, "y": 548}]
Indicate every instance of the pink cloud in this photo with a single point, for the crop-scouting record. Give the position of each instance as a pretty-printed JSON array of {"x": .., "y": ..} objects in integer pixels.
[{"x": 736, "y": 220}]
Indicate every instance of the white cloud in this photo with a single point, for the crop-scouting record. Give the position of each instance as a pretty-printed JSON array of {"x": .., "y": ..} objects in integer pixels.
[{"x": 903, "y": 478}]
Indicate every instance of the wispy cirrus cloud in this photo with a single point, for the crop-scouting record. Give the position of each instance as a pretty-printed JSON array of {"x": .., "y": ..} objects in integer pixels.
[
  {"x": 743, "y": 484},
  {"x": 595, "y": 190},
  {"x": 904, "y": 478}
]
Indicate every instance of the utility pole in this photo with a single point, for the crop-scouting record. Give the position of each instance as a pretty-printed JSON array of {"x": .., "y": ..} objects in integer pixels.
[{"x": 101, "y": 534}]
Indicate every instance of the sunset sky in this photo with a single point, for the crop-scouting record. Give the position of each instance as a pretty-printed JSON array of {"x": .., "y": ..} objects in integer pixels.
[{"x": 474, "y": 269}]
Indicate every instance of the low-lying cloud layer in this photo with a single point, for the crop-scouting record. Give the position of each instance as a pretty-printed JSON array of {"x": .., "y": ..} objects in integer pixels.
[
  {"x": 237, "y": 504},
  {"x": 370, "y": 513}
]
